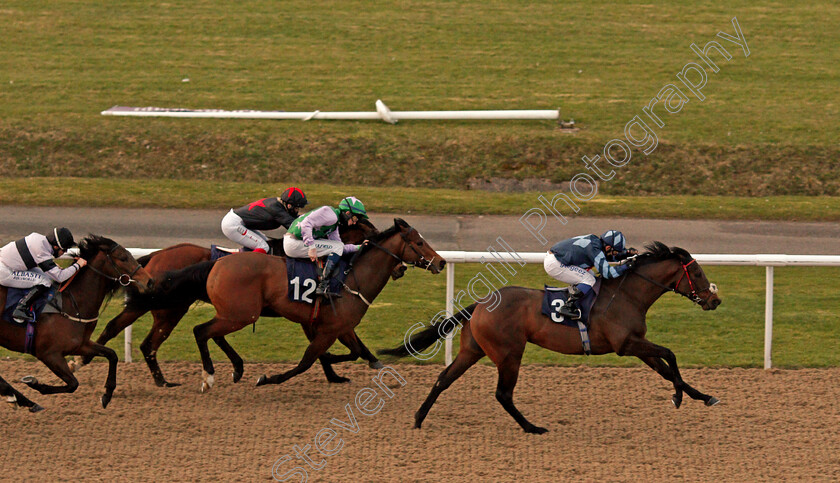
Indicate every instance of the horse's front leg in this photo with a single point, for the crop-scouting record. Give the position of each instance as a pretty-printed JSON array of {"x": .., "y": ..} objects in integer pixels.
[
  {"x": 663, "y": 361},
  {"x": 92, "y": 349},
  {"x": 326, "y": 359},
  {"x": 16, "y": 399},
  {"x": 56, "y": 363},
  {"x": 320, "y": 343}
]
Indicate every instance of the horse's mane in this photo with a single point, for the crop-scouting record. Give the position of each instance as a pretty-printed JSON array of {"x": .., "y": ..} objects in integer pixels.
[
  {"x": 658, "y": 251},
  {"x": 88, "y": 248},
  {"x": 92, "y": 244},
  {"x": 399, "y": 223}
]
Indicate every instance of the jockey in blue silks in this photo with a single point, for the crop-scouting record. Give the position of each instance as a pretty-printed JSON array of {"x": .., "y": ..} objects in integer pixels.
[{"x": 569, "y": 260}]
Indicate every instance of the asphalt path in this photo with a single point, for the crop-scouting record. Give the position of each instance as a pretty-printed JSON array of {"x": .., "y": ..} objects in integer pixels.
[{"x": 156, "y": 228}]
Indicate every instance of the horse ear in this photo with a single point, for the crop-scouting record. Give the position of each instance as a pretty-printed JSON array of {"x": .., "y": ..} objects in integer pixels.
[{"x": 400, "y": 222}]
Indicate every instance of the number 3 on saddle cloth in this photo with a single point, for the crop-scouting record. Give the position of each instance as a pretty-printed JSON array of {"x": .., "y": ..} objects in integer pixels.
[
  {"x": 13, "y": 296},
  {"x": 555, "y": 298},
  {"x": 304, "y": 275}
]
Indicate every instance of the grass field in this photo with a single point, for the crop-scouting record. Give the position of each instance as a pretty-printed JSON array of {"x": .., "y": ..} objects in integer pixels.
[
  {"x": 123, "y": 193},
  {"x": 764, "y": 128},
  {"x": 805, "y": 322}
]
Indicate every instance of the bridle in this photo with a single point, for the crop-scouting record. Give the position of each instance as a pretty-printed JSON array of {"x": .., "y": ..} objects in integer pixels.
[
  {"x": 694, "y": 294},
  {"x": 422, "y": 262},
  {"x": 124, "y": 279}
]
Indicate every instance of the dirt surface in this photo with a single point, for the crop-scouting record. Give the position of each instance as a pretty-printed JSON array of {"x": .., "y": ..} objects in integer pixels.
[{"x": 604, "y": 424}]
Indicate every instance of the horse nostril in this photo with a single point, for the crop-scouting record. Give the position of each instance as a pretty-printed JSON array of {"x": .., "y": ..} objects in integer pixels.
[{"x": 442, "y": 264}]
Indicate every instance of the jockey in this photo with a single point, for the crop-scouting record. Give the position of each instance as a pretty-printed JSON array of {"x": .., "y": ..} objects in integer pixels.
[
  {"x": 29, "y": 262},
  {"x": 315, "y": 234},
  {"x": 242, "y": 225},
  {"x": 569, "y": 260}
]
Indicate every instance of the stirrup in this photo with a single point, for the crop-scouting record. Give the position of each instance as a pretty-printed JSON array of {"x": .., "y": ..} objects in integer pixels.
[
  {"x": 324, "y": 289},
  {"x": 25, "y": 316}
]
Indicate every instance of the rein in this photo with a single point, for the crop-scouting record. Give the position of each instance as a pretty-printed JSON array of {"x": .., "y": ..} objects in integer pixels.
[
  {"x": 693, "y": 295},
  {"x": 123, "y": 279}
]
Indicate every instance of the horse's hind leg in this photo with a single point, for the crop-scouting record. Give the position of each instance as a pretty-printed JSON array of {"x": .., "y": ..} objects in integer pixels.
[
  {"x": 317, "y": 347},
  {"x": 16, "y": 398},
  {"x": 508, "y": 375},
  {"x": 164, "y": 322},
  {"x": 92, "y": 349},
  {"x": 463, "y": 361},
  {"x": 235, "y": 359}
]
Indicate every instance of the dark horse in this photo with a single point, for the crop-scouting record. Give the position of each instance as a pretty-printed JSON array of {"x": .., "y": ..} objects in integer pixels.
[
  {"x": 617, "y": 324},
  {"x": 57, "y": 335},
  {"x": 165, "y": 320},
  {"x": 248, "y": 285}
]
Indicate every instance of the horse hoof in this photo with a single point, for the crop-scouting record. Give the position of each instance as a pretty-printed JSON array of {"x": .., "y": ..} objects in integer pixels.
[
  {"x": 676, "y": 401},
  {"x": 712, "y": 401},
  {"x": 236, "y": 376},
  {"x": 536, "y": 430},
  {"x": 71, "y": 364},
  {"x": 12, "y": 400},
  {"x": 105, "y": 399},
  {"x": 171, "y": 384},
  {"x": 29, "y": 380},
  {"x": 36, "y": 409},
  {"x": 339, "y": 380},
  {"x": 376, "y": 365},
  {"x": 262, "y": 380}
]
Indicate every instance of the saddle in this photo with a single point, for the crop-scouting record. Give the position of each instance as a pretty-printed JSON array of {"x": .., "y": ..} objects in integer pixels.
[
  {"x": 555, "y": 298},
  {"x": 49, "y": 302}
]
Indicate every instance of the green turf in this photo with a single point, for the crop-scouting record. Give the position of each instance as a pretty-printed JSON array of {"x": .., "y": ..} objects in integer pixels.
[
  {"x": 805, "y": 322},
  {"x": 764, "y": 129},
  {"x": 121, "y": 193}
]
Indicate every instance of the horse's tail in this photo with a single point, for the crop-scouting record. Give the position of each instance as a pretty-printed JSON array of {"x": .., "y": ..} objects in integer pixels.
[
  {"x": 425, "y": 338},
  {"x": 175, "y": 288}
]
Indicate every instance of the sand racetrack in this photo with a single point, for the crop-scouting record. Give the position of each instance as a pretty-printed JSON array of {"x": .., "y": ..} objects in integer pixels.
[{"x": 604, "y": 424}]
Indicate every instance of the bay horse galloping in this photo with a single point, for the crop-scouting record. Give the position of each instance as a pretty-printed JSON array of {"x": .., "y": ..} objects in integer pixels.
[
  {"x": 110, "y": 266},
  {"x": 617, "y": 324},
  {"x": 248, "y": 285},
  {"x": 166, "y": 319}
]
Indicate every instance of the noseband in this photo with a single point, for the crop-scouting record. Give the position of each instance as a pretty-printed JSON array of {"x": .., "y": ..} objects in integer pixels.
[
  {"x": 123, "y": 279},
  {"x": 693, "y": 295}
]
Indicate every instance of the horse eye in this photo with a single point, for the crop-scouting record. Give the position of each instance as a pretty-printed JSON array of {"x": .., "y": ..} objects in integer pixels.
[{"x": 420, "y": 243}]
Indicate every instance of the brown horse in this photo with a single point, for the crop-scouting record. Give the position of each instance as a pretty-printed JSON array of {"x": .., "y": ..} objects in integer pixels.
[
  {"x": 244, "y": 287},
  {"x": 57, "y": 335},
  {"x": 617, "y": 324},
  {"x": 165, "y": 320}
]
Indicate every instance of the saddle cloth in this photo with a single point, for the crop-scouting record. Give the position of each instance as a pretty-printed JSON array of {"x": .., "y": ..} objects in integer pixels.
[
  {"x": 555, "y": 298},
  {"x": 304, "y": 275},
  {"x": 13, "y": 296}
]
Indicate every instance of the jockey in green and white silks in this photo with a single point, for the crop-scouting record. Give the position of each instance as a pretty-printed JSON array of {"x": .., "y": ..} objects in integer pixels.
[
  {"x": 315, "y": 234},
  {"x": 569, "y": 260}
]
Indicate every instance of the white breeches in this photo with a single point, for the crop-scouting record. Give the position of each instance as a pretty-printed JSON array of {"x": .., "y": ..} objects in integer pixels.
[
  {"x": 296, "y": 249},
  {"x": 23, "y": 278},
  {"x": 233, "y": 228},
  {"x": 569, "y": 274}
]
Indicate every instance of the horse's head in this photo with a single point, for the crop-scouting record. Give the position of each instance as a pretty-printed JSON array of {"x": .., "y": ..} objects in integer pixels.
[
  {"x": 683, "y": 274},
  {"x": 417, "y": 250},
  {"x": 109, "y": 259}
]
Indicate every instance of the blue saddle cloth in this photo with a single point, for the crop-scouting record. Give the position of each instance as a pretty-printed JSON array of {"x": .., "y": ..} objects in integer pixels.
[
  {"x": 13, "y": 296},
  {"x": 217, "y": 253},
  {"x": 303, "y": 278},
  {"x": 555, "y": 298}
]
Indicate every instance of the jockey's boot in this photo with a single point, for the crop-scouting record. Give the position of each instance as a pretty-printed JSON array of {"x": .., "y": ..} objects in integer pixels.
[
  {"x": 570, "y": 308},
  {"x": 330, "y": 268},
  {"x": 22, "y": 314}
]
